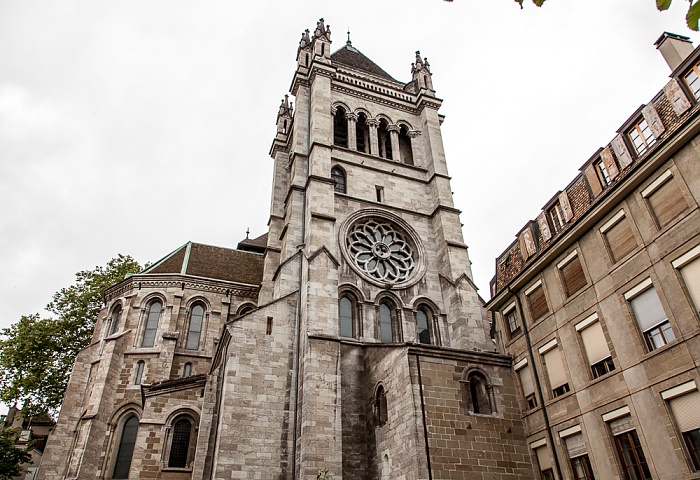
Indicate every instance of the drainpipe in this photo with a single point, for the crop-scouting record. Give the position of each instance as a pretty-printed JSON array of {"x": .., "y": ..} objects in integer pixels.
[
  {"x": 425, "y": 424},
  {"x": 538, "y": 385}
]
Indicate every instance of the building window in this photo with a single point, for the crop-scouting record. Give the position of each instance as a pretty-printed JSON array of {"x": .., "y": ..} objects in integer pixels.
[
  {"x": 384, "y": 139},
  {"x": 149, "y": 331},
  {"x": 423, "y": 326},
  {"x": 526, "y": 384},
  {"x": 126, "y": 448},
  {"x": 554, "y": 365},
  {"x": 545, "y": 462},
  {"x": 405, "y": 146},
  {"x": 651, "y": 317},
  {"x": 595, "y": 346},
  {"x": 602, "y": 172},
  {"x": 511, "y": 316},
  {"x": 693, "y": 80},
  {"x": 641, "y": 136},
  {"x": 618, "y": 236},
  {"x": 572, "y": 274},
  {"x": 381, "y": 414},
  {"x": 690, "y": 272},
  {"x": 386, "y": 330},
  {"x": 187, "y": 371},
  {"x": 380, "y": 194},
  {"x": 139, "y": 372},
  {"x": 578, "y": 456},
  {"x": 340, "y": 128},
  {"x": 684, "y": 403},
  {"x": 346, "y": 310},
  {"x": 114, "y": 319},
  {"x": 195, "y": 331},
  {"x": 245, "y": 308},
  {"x": 182, "y": 442},
  {"x": 362, "y": 133},
  {"x": 665, "y": 199},
  {"x": 631, "y": 456},
  {"x": 556, "y": 214},
  {"x": 338, "y": 176},
  {"x": 479, "y": 397},
  {"x": 537, "y": 301},
  {"x": 581, "y": 467}
]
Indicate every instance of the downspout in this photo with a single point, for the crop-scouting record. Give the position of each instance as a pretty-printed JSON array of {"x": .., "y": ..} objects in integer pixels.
[
  {"x": 536, "y": 377},
  {"x": 425, "y": 424}
]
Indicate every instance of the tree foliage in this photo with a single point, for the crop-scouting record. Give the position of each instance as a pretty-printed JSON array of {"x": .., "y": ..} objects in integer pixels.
[
  {"x": 11, "y": 456},
  {"x": 36, "y": 354}
]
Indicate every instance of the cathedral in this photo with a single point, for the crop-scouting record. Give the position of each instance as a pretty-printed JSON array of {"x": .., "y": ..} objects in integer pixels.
[{"x": 349, "y": 338}]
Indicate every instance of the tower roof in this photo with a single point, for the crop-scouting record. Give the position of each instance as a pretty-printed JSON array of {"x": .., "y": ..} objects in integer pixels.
[{"x": 352, "y": 57}]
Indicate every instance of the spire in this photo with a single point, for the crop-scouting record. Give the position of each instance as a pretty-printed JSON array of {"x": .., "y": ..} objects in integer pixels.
[
  {"x": 420, "y": 70},
  {"x": 321, "y": 43},
  {"x": 322, "y": 30},
  {"x": 285, "y": 115},
  {"x": 348, "y": 43}
]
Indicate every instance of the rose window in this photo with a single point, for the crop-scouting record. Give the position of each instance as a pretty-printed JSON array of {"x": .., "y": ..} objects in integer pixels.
[{"x": 380, "y": 251}]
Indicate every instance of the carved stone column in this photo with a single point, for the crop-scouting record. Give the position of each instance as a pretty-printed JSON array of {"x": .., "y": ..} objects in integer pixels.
[
  {"x": 394, "y": 137},
  {"x": 374, "y": 142},
  {"x": 352, "y": 130}
]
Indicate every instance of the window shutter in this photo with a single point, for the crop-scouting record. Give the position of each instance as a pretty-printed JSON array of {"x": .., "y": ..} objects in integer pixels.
[
  {"x": 527, "y": 244},
  {"x": 565, "y": 206},
  {"x": 574, "y": 279},
  {"x": 543, "y": 458},
  {"x": 621, "y": 425},
  {"x": 594, "y": 343},
  {"x": 575, "y": 445},
  {"x": 555, "y": 368},
  {"x": 686, "y": 411},
  {"x": 691, "y": 276},
  {"x": 648, "y": 310},
  {"x": 545, "y": 232},
  {"x": 607, "y": 157},
  {"x": 526, "y": 380},
  {"x": 623, "y": 155},
  {"x": 620, "y": 239},
  {"x": 667, "y": 202},
  {"x": 593, "y": 180},
  {"x": 538, "y": 303},
  {"x": 678, "y": 100},
  {"x": 653, "y": 120}
]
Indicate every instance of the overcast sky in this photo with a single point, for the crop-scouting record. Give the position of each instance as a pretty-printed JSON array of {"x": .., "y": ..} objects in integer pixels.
[{"x": 132, "y": 127}]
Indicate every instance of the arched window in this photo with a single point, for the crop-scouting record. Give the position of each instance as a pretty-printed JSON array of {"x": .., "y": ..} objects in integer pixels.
[
  {"x": 405, "y": 146},
  {"x": 479, "y": 397},
  {"x": 423, "y": 326},
  {"x": 386, "y": 330},
  {"x": 381, "y": 415},
  {"x": 346, "y": 310},
  {"x": 195, "y": 330},
  {"x": 114, "y": 319},
  {"x": 187, "y": 370},
  {"x": 340, "y": 128},
  {"x": 338, "y": 176},
  {"x": 179, "y": 456},
  {"x": 126, "y": 448},
  {"x": 384, "y": 140},
  {"x": 362, "y": 133},
  {"x": 246, "y": 308},
  {"x": 149, "y": 331},
  {"x": 139, "y": 372}
]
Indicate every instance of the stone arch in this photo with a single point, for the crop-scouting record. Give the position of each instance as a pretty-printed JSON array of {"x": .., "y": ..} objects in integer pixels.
[
  {"x": 350, "y": 316},
  {"x": 340, "y": 176},
  {"x": 112, "y": 321},
  {"x": 194, "y": 333},
  {"x": 245, "y": 308},
  {"x": 479, "y": 392},
  {"x": 180, "y": 438},
  {"x": 380, "y": 405}
]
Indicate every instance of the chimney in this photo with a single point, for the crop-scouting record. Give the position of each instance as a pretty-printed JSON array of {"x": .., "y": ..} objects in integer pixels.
[{"x": 675, "y": 48}]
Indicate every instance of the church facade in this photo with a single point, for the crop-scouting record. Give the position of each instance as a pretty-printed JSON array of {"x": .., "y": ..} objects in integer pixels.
[{"x": 350, "y": 337}]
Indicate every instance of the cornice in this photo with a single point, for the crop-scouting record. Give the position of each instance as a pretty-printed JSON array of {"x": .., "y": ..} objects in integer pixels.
[
  {"x": 375, "y": 98},
  {"x": 189, "y": 282}
]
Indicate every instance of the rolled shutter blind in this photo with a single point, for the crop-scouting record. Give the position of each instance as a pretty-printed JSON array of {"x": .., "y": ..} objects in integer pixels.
[
  {"x": 538, "y": 303},
  {"x": 621, "y": 239},
  {"x": 621, "y": 425},
  {"x": 575, "y": 445},
  {"x": 667, "y": 202},
  {"x": 648, "y": 310},
  {"x": 555, "y": 368},
  {"x": 574, "y": 278},
  {"x": 543, "y": 458},
  {"x": 526, "y": 380},
  {"x": 594, "y": 343},
  {"x": 686, "y": 410},
  {"x": 691, "y": 276}
]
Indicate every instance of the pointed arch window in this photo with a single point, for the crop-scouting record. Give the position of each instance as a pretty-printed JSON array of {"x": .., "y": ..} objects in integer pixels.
[
  {"x": 340, "y": 128},
  {"x": 114, "y": 319},
  {"x": 338, "y": 176},
  {"x": 386, "y": 328},
  {"x": 405, "y": 146},
  {"x": 381, "y": 414},
  {"x": 125, "y": 450},
  {"x": 194, "y": 332},
  {"x": 181, "y": 442},
  {"x": 362, "y": 133},
  {"x": 139, "y": 372},
  {"x": 149, "y": 331},
  {"x": 479, "y": 394},
  {"x": 384, "y": 140},
  {"x": 423, "y": 326},
  {"x": 346, "y": 310}
]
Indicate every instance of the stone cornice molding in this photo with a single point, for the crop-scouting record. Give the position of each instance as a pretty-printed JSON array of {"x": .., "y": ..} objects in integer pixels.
[
  {"x": 375, "y": 98},
  {"x": 175, "y": 385},
  {"x": 189, "y": 282}
]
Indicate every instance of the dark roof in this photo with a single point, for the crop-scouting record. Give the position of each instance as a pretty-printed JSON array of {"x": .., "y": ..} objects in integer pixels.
[
  {"x": 352, "y": 57},
  {"x": 212, "y": 262},
  {"x": 257, "y": 245}
]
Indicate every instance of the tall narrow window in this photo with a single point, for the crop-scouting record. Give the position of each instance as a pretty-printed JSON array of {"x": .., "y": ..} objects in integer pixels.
[
  {"x": 422, "y": 326},
  {"x": 149, "y": 331},
  {"x": 690, "y": 271},
  {"x": 347, "y": 321},
  {"x": 187, "y": 371},
  {"x": 126, "y": 448},
  {"x": 684, "y": 402},
  {"x": 537, "y": 301},
  {"x": 180, "y": 444},
  {"x": 479, "y": 394},
  {"x": 554, "y": 364},
  {"x": 139, "y": 372},
  {"x": 525, "y": 376},
  {"x": 195, "y": 331},
  {"x": 340, "y": 128},
  {"x": 362, "y": 133},
  {"x": 380, "y": 407},
  {"x": 693, "y": 80},
  {"x": 386, "y": 333},
  {"x": 572, "y": 274},
  {"x": 513, "y": 320},
  {"x": 631, "y": 455},
  {"x": 641, "y": 137},
  {"x": 380, "y": 194},
  {"x": 556, "y": 214},
  {"x": 338, "y": 176},
  {"x": 405, "y": 146},
  {"x": 384, "y": 140},
  {"x": 619, "y": 237},
  {"x": 545, "y": 463},
  {"x": 114, "y": 319},
  {"x": 665, "y": 199},
  {"x": 652, "y": 319},
  {"x": 603, "y": 174},
  {"x": 596, "y": 347},
  {"x": 578, "y": 456}
]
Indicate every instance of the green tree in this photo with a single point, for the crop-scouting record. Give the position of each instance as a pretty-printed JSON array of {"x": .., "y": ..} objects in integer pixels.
[
  {"x": 36, "y": 354},
  {"x": 11, "y": 456}
]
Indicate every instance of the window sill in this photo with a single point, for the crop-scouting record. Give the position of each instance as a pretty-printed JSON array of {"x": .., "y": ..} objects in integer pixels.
[{"x": 174, "y": 469}]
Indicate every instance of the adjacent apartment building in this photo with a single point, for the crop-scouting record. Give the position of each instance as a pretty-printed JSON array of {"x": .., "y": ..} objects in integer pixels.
[{"x": 597, "y": 299}]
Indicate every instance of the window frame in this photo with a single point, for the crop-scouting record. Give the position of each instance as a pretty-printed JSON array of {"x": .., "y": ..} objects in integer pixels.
[
  {"x": 380, "y": 406},
  {"x": 117, "y": 449},
  {"x": 202, "y": 330},
  {"x": 394, "y": 320},
  {"x": 539, "y": 284},
  {"x": 514, "y": 327},
  {"x": 548, "y": 349},
  {"x": 530, "y": 398},
  {"x": 640, "y": 461},
  {"x": 647, "y": 141},
  {"x": 663, "y": 180},
  {"x": 695, "y": 69},
  {"x": 140, "y": 369},
  {"x": 353, "y": 312},
  {"x": 430, "y": 325},
  {"x": 684, "y": 261},
  {"x": 167, "y": 454},
  {"x": 606, "y": 364},
  {"x": 656, "y": 330},
  {"x": 340, "y": 177},
  {"x": 114, "y": 323},
  {"x": 556, "y": 216},
  {"x": 602, "y": 173},
  {"x": 566, "y": 263},
  {"x": 147, "y": 320}
]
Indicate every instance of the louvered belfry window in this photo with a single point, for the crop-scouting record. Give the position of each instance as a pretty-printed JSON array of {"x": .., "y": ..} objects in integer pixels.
[
  {"x": 538, "y": 303},
  {"x": 572, "y": 273},
  {"x": 620, "y": 239}
]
